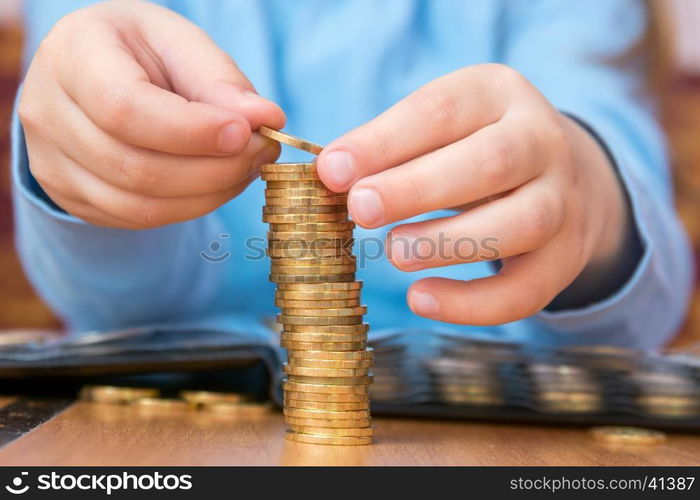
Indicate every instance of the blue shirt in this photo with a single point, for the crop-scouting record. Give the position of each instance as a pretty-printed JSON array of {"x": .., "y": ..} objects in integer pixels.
[{"x": 332, "y": 65}]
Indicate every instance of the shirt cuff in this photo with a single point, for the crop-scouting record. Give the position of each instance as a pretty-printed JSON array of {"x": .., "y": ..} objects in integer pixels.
[{"x": 622, "y": 318}]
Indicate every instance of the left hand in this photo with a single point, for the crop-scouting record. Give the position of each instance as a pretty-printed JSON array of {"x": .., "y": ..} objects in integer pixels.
[{"x": 487, "y": 142}]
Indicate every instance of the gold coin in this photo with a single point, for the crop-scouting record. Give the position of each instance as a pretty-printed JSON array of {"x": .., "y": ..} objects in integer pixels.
[
  {"x": 324, "y": 346},
  {"x": 333, "y": 260},
  {"x": 627, "y": 436},
  {"x": 330, "y": 431},
  {"x": 304, "y": 217},
  {"x": 330, "y": 389},
  {"x": 290, "y": 140},
  {"x": 239, "y": 409},
  {"x": 290, "y": 176},
  {"x": 290, "y": 199},
  {"x": 313, "y": 226},
  {"x": 305, "y": 201},
  {"x": 304, "y": 379},
  {"x": 161, "y": 404},
  {"x": 203, "y": 398},
  {"x": 297, "y": 244},
  {"x": 322, "y": 337},
  {"x": 339, "y": 356},
  {"x": 325, "y": 329},
  {"x": 295, "y": 278},
  {"x": 319, "y": 320},
  {"x": 278, "y": 168},
  {"x": 328, "y": 440},
  {"x": 305, "y": 371},
  {"x": 116, "y": 395},
  {"x": 322, "y": 287},
  {"x": 332, "y": 398},
  {"x": 305, "y": 270},
  {"x": 340, "y": 311},
  {"x": 299, "y": 184},
  {"x": 317, "y": 304},
  {"x": 362, "y": 423},
  {"x": 299, "y": 295},
  {"x": 329, "y": 363},
  {"x": 326, "y": 414},
  {"x": 309, "y": 238},
  {"x": 311, "y": 253},
  {"x": 295, "y": 192},
  {"x": 305, "y": 210},
  {"x": 325, "y": 405}
]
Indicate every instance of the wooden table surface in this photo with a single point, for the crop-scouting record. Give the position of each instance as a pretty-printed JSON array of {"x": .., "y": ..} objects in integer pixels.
[{"x": 91, "y": 434}]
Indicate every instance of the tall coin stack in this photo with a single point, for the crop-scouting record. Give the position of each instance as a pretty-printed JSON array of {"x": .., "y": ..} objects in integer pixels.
[{"x": 326, "y": 389}]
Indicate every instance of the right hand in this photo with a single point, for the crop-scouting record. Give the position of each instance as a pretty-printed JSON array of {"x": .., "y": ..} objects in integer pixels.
[{"x": 135, "y": 119}]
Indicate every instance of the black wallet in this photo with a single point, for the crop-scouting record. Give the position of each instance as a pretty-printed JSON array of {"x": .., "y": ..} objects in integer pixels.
[{"x": 418, "y": 373}]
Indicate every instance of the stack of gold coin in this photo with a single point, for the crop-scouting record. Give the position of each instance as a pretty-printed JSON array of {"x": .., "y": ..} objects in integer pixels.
[{"x": 326, "y": 389}]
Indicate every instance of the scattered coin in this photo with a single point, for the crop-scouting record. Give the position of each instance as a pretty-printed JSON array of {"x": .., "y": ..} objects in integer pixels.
[
  {"x": 330, "y": 431},
  {"x": 116, "y": 395},
  {"x": 164, "y": 405},
  {"x": 628, "y": 436},
  {"x": 204, "y": 398}
]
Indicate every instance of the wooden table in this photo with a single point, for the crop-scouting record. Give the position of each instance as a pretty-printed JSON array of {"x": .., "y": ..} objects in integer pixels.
[{"x": 91, "y": 434}]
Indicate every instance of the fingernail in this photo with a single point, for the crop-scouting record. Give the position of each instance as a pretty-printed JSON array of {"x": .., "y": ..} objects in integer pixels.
[
  {"x": 401, "y": 249},
  {"x": 366, "y": 206},
  {"x": 339, "y": 170},
  {"x": 424, "y": 303},
  {"x": 254, "y": 96},
  {"x": 232, "y": 138}
]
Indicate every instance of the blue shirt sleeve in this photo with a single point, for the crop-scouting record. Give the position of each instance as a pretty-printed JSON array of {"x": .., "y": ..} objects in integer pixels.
[
  {"x": 103, "y": 278},
  {"x": 595, "y": 46}
]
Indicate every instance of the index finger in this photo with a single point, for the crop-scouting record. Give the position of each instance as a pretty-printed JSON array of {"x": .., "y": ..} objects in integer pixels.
[
  {"x": 443, "y": 111},
  {"x": 117, "y": 95}
]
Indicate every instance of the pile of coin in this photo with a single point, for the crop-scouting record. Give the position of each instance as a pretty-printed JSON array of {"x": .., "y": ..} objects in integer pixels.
[{"x": 326, "y": 389}]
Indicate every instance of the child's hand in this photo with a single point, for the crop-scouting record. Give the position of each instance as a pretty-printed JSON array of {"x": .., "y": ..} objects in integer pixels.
[
  {"x": 485, "y": 141},
  {"x": 134, "y": 118}
]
